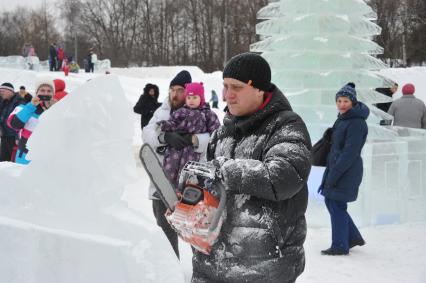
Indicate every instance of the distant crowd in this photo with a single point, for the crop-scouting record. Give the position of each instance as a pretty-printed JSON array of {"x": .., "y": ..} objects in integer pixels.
[{"x": 59, "y": 60}]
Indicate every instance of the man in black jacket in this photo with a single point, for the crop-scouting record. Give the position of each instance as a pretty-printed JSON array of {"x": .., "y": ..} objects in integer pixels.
[
  {"x": 9, "y": 101},
  {"x": 147, "y": 103},
  {"x": 262, "y": 153}
]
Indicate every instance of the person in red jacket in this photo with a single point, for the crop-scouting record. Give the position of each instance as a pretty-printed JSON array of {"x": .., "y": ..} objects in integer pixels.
[
  {"x": 60, "y": 52},
  {"x": 59, "y": 89}
]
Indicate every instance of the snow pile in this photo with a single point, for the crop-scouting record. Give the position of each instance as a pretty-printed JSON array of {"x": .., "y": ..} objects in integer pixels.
[{"x": 62, "y": 218}]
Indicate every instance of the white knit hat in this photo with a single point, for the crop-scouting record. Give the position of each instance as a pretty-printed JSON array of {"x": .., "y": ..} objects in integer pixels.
[
  {"x": 7, "y": 86},
  {"x": 44, "y": 81}
]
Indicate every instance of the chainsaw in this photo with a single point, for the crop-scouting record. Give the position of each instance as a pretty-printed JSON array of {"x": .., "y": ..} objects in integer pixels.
[{"x": 197, "y": 210}]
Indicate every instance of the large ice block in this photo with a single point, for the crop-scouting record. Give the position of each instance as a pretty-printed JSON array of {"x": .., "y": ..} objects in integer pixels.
[{"x": 62, "y": 218}]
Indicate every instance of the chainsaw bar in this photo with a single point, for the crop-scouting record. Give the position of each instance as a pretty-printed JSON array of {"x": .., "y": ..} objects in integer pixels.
[{"x": 158, "y": 176}]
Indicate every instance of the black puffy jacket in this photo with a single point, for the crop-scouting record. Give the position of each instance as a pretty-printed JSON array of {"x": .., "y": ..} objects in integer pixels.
[
  {"x": 266, "y": 171},
  {"x": 147, "y": 104}
]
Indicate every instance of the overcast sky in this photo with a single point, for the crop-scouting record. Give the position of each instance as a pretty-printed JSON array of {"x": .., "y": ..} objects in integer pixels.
[{"x": 11, "y": 4}]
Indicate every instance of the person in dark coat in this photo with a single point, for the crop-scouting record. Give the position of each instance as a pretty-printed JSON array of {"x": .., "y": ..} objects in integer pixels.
[
  {"x": 388, "y": 91},
  {"x": 195, "y": 117},
  {"x": 262, "y": 154},
  {"x": 26, "y": 96},
  {"x": 215, "y": 100},
  {"x": 53, "y": 60},
  {"x": 9, "y": 101},
  {"x": 343, "y": 173},
  {"x": 147, "y": 103}
]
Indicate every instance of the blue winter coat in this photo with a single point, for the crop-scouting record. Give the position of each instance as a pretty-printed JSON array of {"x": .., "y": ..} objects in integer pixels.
[{"x": 343, "y": 173}]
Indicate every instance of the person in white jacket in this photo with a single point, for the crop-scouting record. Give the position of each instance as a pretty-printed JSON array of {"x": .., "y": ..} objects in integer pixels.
[{"x": 158, "y": 140}]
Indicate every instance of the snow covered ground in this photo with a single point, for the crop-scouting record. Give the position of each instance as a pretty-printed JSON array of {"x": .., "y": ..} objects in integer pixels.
[
  {"x": 65, "y": 216},
  {"x": 393, "y": 253}
]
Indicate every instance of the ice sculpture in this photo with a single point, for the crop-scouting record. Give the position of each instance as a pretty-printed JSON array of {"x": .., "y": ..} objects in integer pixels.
[
  {"x": 24, "y": 63},
  {"x": 61, "y": 218},
  {"x": 315, "y": 47},
  {"x": 33, "y": 63},
  {"x": 101, "y": 66}
]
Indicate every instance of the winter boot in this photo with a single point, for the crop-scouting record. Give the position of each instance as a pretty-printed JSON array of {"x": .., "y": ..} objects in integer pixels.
[
  {"x": 354, "y": 243},
  {"x": 333, "y": 251}
]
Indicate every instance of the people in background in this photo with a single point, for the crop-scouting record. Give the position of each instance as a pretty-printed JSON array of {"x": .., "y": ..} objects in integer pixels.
[
  {"x": 59, "y": 89},
  {"x": 147, "y": 103},
  {"x": 408, "y": 111},
  {"x": 8, "y": 102},
  {"x": 388, "y": 91},
  {"x": 53, "y": 58},
  {"x": 214, "y": 99},
  {"x": 26, "y": 97},
  {"x": 25, "y": 118},
  {"x": 60, "y": 56}
]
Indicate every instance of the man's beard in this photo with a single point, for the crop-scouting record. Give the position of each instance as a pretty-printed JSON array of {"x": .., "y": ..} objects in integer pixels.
[{"x": 175, "y": 103}]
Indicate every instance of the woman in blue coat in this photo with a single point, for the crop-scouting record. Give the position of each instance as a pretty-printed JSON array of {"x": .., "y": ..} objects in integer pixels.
[{"x": 343, "y": 173}]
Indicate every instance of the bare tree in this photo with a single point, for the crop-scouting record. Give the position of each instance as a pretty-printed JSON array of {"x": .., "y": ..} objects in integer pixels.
[{"x": 183, "y": 32}]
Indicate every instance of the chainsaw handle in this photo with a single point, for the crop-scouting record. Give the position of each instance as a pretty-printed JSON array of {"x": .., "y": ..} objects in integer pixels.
[{"x": 220, "y": 208}]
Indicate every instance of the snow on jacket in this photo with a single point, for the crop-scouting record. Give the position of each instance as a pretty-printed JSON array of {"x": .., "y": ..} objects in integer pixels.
[
  {"x": 408, "y": 111},
  {"x": 147, "y": 105},
  {"x": 7, "y": 107},
  {"x": 266, "y": 164},
  {"x": 152, "y": 130},
  {"x": 343, "y": 173},
  {"x": 188, "y": 121},
  {"x": 24, "y": 119}
]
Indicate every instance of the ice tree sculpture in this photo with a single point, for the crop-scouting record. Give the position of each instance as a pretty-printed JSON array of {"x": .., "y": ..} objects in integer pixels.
[{"x": 315, "y": 47}]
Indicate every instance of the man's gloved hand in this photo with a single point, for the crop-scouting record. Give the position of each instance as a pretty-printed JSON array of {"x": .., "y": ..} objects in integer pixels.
[{"x": 178, "y": 141}]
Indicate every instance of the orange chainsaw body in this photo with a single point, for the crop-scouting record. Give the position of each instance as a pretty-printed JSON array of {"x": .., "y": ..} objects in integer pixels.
[{"x": 192, "y": 221}]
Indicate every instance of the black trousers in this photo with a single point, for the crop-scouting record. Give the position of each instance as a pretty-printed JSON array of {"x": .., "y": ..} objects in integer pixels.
[
  {"x": 6, "y": 148},
  {"x": 159, "y": 210}
]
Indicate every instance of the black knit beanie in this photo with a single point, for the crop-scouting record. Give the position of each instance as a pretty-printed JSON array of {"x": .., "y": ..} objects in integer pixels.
[
  {"x": 181, "y": 79},
  {"x": 250, "y": 68},
  {"x": 7, "y": 86}
]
